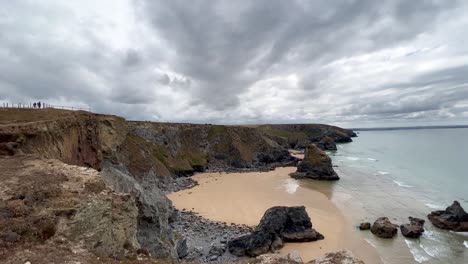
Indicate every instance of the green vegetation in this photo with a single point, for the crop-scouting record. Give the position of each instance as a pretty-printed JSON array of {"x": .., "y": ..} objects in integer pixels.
[{"x": 216, "y": 131}]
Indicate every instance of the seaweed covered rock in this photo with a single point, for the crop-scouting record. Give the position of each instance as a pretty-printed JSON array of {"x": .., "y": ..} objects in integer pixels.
[
  {"x": 414, "y": 229},
  {"x": 316, "y": 165},
  {"x": 383, "y": 228},
  {"x": 278, "y": 225},
  {"x": 327, "y": 143},
  {"x": 453, "y": 218}
]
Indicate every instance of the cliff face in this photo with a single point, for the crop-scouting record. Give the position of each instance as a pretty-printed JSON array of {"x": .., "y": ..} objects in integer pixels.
[
  {"x": 187, "y": 148},
  {"x": 299, "y": 136},
  {"x": 73, "y": 138}
]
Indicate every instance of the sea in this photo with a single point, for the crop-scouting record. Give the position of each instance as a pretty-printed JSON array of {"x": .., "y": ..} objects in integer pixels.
[{"x": 402, "y": 173}]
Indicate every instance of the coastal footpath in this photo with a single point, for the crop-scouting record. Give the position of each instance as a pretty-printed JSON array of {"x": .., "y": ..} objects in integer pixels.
[{"x": 94, "y": 186}]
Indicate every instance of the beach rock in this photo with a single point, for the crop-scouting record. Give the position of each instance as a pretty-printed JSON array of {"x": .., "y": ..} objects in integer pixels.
[
  {"x": 365, "y": 226},
  {"x": 292, "y": 258},
  {"x": 182, "y": 248},
  {"x": 327, "y": 143},
  {"x": 338, "y": 257},
  {"x": 383, "y": 228},
  {"x": 216, "y": 251},
  {"x": 316, "y": 165},
  {"x": 453, "y": 218},
  {"x": 279, "y": 224},
  {"x": 414, "y": 229}
]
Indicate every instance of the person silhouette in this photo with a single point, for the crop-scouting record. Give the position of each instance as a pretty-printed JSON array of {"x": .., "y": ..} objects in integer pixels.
[
  {"x": 34, "y": 105},
  {"x": 39, "y": 105}
]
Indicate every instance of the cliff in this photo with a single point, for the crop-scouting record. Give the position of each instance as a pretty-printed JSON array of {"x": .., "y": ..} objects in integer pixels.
[
  {"x": 299, "y": 136},
  {"x": 138, "y": 162}
]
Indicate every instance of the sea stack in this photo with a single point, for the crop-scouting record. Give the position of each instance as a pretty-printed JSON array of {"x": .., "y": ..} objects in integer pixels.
[
  {"x": 327, "y": 143},
  {"x": 279, "y": 224},
  {"x": 316, "y": 165},
  {"x": 453, "y": 218}
]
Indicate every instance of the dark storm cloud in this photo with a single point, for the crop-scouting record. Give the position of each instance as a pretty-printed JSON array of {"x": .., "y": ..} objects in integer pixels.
[
  {"x": 238, "y": 61},
  {"x": 228, "y": 46}
]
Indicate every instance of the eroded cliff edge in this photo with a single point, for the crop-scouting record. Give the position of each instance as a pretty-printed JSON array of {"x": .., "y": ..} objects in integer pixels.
[{"x": 147, "y": 159}]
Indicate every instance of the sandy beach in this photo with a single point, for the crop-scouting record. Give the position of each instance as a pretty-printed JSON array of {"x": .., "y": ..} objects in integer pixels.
[{"x": 242, "y": 198}]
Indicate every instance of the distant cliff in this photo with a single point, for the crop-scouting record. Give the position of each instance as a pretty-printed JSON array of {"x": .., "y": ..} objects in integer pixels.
[{"x": 299, "y": 136}]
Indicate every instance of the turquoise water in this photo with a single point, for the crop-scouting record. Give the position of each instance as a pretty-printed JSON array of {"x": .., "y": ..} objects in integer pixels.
[{"x": 403, "y": 173}]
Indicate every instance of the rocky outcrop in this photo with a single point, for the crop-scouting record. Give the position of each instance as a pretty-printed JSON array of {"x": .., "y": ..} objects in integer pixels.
[
  {"x": 383, "y": 228},
  {"x": 327, "y": 143},
  {"x": 316, "y": 165},
  {"x": 299, "y": 136},
  {"x": 278, "y": 225},
  {"x": 53, "y": 205},
  {"x": 453, "y": 218},
  {"x": 338, "y": 257},
  {"x": 365, "y": 226},
  {"x": 414, "y": 229},
  {"x": 154, "y": 211}
]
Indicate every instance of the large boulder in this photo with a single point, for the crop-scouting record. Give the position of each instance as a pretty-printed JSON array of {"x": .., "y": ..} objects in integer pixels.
[
  {"x": 383, "y": 228},
  {"x": 453, "y": 218},
  {"x": 279, "y": 224},
  {"x": 316, "y": 165},
  {"x": 414, "y": 229},
  {"x": 327, "y": 143},
  {"x": 338, "y": 257}
]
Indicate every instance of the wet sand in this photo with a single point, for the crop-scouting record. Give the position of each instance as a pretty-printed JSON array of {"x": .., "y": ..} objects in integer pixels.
[{"x": 242, "y": 198}]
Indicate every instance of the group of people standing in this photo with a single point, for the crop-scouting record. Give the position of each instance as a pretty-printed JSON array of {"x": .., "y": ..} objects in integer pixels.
[{"x": 38, "y": 105}]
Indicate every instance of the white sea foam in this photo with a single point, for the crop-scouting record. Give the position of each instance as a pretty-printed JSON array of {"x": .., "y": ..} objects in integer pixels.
[
  {"x": 432, "y": 251},
  {"x": 402, "y": 184},
  {"x": 371, "y": 159},
  {"x": 291, "y": 185},
  {"x": 418, "y": 253},
  {"x": 370, "y": 243},
  {"x": 353, "y": 158},
  {"x": 434, "y": 206},
  {"x": 383, "y": 172},
  {"x": 465, "y": 243}
]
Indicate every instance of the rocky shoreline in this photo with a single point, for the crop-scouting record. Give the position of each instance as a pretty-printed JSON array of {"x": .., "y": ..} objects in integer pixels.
[{"x": 204, "y": 240}]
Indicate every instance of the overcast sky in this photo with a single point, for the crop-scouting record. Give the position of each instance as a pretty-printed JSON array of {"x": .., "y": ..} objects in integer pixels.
[{"x": 351, "y": 63}]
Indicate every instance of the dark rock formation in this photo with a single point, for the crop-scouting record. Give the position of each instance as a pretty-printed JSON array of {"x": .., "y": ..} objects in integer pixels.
[
  {"x": 181, "y": 248},
  {"x": 365, "y": 226},
  {"x": 278, "y": 224},
  {"x": 414, "y": 229},
  {"x": 315, "y": 165},
  {"x": 338, "y": 257},
  {"x": 453, "y": 218},
  {"x": 383, "y": 228},
  {"x": 327, "y": 143}
]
